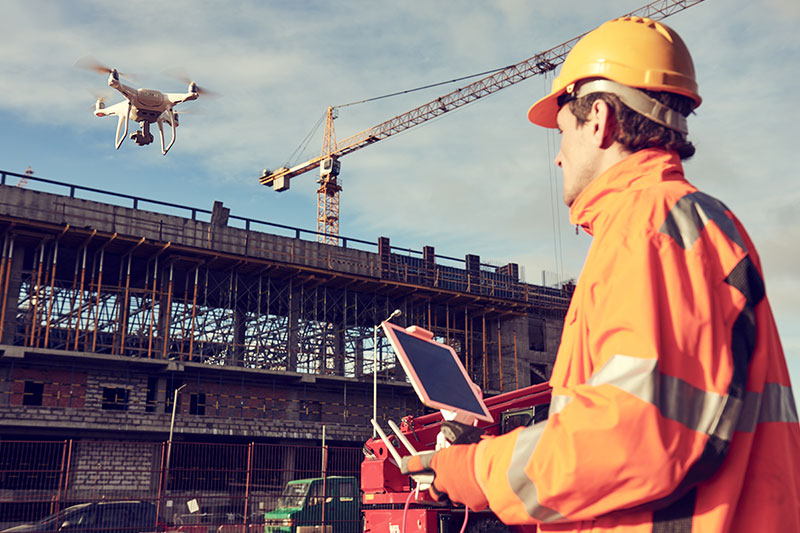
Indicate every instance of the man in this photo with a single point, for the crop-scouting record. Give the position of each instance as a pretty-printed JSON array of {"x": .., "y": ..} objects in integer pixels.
[{"x": 672, "y": 408}]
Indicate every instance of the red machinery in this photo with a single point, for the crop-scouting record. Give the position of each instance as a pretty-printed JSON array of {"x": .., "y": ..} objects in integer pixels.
[{"x": 386, "y": 490}]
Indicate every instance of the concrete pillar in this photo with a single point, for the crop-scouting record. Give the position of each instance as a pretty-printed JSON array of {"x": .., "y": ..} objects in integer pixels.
[
  {"x": 339, "y": 348},
  {"x": 385, "y": 256},
  {"x": 219, "y": 214},
  {"x": 473, "y": 273},
  {"x": 322, "y": 350},
  {"x": 429, "y": 257},
  {"x": 239, "y": 329},
  {"x": 511, "y": 270},
  {"x": 359, "y": 355},
  {"x": 161, "y": 395}
]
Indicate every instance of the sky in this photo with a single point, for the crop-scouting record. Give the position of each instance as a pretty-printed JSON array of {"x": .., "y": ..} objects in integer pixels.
[{"x": 479, "y": 180}]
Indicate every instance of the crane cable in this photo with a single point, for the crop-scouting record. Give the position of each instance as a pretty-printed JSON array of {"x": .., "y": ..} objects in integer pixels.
[
  {"x": 303, "y": 146},
  {"x": 424, "y": 87},
  {"x": 557, "y": 245},
  {"x": 304, "y": 143}
]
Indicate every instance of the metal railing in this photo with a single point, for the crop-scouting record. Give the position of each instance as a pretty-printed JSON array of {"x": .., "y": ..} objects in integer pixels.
[{"x": 137, "y": 202}]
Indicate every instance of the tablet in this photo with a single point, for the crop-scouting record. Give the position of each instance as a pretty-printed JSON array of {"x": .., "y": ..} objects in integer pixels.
[{"x": 435, "y": 372}]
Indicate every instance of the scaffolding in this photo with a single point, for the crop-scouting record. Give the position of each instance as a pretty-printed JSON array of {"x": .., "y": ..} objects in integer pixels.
[{"x": 80, "y": 285}]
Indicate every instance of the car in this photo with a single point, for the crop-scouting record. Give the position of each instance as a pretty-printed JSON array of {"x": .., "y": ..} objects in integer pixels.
[
  {"x": 302, "y": 506},
  {"x": 121, "y": 516}
]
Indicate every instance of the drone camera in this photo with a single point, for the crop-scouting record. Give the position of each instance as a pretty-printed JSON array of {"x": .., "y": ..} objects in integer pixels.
[{"x": 141, "y": 138}]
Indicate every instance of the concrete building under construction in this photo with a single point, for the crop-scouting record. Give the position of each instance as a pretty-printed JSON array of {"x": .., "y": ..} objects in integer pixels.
[{"x": 110, "y": 304}]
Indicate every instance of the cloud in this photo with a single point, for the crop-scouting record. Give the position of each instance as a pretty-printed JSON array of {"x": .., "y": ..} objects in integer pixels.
[{"x": 479, "y": 180}]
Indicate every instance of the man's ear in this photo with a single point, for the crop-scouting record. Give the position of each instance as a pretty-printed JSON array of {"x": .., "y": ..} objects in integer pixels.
[{"x": 603, "y": 123}]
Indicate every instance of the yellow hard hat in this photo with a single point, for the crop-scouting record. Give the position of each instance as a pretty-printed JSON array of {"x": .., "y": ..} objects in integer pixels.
[{"x": 633, "y": 51}]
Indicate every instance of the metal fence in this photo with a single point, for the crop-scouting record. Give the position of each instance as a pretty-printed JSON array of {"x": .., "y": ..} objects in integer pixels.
[{"x": 152, "y": 486}]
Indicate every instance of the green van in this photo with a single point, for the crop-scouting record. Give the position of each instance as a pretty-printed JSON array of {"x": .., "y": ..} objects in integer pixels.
[{"x": 303, "y": 509}]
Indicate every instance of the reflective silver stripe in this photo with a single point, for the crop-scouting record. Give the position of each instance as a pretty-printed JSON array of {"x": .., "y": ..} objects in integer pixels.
[
  {"x": 694, "y": 408},
  {"x": 775, "y": 404},
  {"x": 519, "y": 481},
  {"x": 688, "y": 217},
  {"x": 748, "y": 418},
  {"x": 706, "y": 412},
  {"x": 699, "y": 410},
  {"x": 557, "y": 403},
  {"x": 631, "y": 374},
  {"x": 710, "y": 413}
]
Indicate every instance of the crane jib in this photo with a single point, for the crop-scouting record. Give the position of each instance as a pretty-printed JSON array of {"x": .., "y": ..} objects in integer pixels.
[{"x": 539, "y": 64}]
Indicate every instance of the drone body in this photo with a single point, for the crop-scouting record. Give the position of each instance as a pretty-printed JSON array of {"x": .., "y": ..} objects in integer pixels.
[{"x": 145, "y": 106}]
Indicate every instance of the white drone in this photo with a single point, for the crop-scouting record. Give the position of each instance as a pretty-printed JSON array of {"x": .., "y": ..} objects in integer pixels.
[{"x": 144, "y": 106}]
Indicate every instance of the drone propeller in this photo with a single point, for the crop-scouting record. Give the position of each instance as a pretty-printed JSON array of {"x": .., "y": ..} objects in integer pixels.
[
  {"x": 90, "y": 63},
  {"x": 101, "y": 97},
  {"x": 180, "y": 74},
  {"x": 192, "y": 111}
]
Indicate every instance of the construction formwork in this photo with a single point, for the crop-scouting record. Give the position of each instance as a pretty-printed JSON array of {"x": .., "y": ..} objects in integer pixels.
[
  {"x": 95, "y": 295},
  {"x": 84, "y": 276}
]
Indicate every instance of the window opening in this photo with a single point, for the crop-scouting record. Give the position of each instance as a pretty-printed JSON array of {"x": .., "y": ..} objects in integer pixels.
[{"x": 115, "y": 399}]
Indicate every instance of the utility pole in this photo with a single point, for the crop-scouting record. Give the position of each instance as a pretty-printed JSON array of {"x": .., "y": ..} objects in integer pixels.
[{"x": 171, "y": 429}]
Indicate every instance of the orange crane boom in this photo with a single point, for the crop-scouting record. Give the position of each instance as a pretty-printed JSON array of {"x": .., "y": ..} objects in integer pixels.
[{"x": 328, "y": 160}]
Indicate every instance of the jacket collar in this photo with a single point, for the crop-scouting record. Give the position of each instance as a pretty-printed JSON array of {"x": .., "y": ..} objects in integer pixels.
[{"x": 637, "y": 171}]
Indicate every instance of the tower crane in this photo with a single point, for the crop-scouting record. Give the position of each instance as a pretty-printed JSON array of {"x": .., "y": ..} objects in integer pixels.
[{"x": 328, "y": 160}]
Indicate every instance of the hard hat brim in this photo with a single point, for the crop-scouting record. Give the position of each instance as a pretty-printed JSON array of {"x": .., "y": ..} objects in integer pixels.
[{"x": 544, "y": 111}]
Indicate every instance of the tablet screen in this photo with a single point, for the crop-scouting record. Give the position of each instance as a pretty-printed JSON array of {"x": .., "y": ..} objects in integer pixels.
[{"x": 436, "y": 373}]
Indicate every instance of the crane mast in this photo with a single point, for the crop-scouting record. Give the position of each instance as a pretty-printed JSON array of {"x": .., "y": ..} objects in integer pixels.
[
  {"x": 328, "y": 160},
  {"x": 329, "y": 188}
]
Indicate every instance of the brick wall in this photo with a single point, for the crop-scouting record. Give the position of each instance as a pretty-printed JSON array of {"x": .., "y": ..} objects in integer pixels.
[
  {"x": 254, "y": 406},
  {"x": 114, "y": 469},
  {"x": 62, "y": 388}
]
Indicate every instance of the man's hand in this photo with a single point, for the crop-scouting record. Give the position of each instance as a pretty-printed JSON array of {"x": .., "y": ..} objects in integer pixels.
[
  {"x": 453, "y": 474},
  {"x": 419, "y": 468}
]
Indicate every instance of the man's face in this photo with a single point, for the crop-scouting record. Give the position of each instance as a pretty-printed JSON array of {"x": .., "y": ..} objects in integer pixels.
[{"x": 577, "y": 154}]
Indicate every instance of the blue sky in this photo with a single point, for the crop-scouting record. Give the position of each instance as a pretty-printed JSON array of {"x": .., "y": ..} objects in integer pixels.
[{"x": 479, "y": 180}]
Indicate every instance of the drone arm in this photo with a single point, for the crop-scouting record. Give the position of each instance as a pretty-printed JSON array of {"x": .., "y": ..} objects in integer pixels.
[
  {"x": 126, "y": 90},
  {"x": 179, "y": 98},
  {"x": 111, "y": 111},
  {"x": 172, "y": 121},
  {"x": 123, "y": 118}
]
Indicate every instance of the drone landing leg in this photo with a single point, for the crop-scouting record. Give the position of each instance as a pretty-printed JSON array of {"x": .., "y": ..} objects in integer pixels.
[
  {"x": 118, "y": 141},
  {"x": 161, "y": 130}
]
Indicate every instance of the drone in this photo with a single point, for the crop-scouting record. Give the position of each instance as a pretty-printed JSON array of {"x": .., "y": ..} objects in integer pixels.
[{"x": 145, "y": 106}]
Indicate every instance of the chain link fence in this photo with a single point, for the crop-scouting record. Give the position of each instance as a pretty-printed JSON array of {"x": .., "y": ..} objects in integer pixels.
[{"x": 204, "y": 488}]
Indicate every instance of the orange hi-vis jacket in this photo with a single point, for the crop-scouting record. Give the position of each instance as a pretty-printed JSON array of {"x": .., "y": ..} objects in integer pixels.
[{"x": 672, "y": 408}]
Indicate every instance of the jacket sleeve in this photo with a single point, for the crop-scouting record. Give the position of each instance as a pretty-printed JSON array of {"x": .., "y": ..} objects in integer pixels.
[{"x": 641, "y": 390}]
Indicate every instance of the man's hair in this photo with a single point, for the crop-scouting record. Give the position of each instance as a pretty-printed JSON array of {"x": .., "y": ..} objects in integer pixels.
[{"x": 635, "y": 131}]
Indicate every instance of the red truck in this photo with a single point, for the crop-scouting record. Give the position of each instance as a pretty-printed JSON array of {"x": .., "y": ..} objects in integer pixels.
[{"x": 385, "y": 490}]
